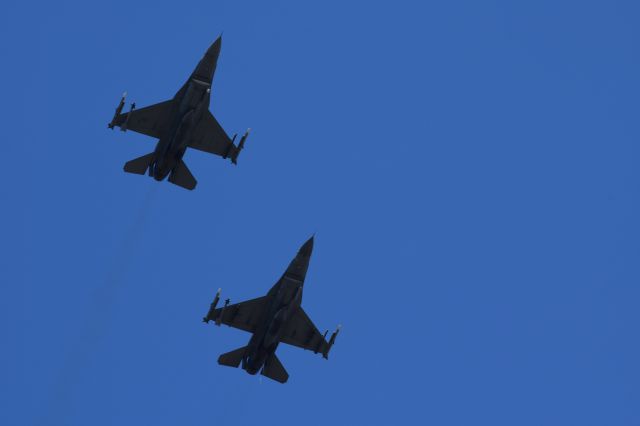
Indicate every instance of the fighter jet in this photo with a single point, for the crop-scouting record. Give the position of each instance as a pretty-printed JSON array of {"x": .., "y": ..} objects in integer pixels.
[
  {"x": 274, "y": 318},
  {"x": 180, "y": 123}
]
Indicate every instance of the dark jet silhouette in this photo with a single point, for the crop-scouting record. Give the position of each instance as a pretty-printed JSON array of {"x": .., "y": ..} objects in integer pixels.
[
  {"x": 180, "y": 123},
  {"x": 274, "y": 318}
]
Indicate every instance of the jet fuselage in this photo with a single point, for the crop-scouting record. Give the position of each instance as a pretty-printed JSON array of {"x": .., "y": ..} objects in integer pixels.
[
  {"x": 189, "y": 106},
  {"x": 189, "y": 109},
  {"x": 286, "y": 298}
]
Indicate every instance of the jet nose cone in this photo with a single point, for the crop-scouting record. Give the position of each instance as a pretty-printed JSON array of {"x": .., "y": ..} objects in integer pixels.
[
  {"x": 307, "y": 248},
  {"x": 214, "y": 49}
]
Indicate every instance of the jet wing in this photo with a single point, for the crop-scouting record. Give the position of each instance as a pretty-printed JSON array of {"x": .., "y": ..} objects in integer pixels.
[
  {"x": 301, "y": 332},
  {"x": 209, "y": 136},
  {"x": 150, "y": 121},
  {"x": 243, "y": 315}
]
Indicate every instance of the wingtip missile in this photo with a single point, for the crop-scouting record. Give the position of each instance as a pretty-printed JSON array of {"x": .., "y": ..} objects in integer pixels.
[
  {"x": 112, "y": 124},
  {"x": 234, "y": 157},
  {"x": 331, "y": 342},
  {"x": 212, "y": 308},
  {"x": 334, "y": 335}
]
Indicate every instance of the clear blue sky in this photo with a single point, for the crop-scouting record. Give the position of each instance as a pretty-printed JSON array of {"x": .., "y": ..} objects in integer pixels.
[{"x": 470, "y": 170}]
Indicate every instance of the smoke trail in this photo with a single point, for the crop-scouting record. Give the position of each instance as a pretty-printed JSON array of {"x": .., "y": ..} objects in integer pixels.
[{"x": 60, "y": 405}]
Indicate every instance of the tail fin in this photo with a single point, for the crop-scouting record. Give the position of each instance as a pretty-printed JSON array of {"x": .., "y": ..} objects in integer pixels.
[
  {"x": 273, "y": 369},
  {"x": 233, "y": 358},
  {"x": 181, "y": 176},
  {"x": 140, "y": 165}
]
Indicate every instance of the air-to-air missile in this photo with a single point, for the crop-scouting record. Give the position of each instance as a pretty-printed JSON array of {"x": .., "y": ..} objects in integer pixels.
[
  {"x": 111, "y": 125},
  {"x": 235, "y": 153},
  {"x": 332, "y": 340},
  {"x": 212, "y": 308}
]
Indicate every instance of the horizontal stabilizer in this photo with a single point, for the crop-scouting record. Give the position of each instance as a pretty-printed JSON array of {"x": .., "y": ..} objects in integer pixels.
[
  {"x": 140, "y": 165},
  {"x": 233, "y": 358},
  {"x": 181, "y": 176},
  {"x": 273, "y": 369}
]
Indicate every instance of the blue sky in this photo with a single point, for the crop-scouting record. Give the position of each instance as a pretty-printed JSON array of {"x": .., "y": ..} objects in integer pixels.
[{"x": 469, "y": 168}]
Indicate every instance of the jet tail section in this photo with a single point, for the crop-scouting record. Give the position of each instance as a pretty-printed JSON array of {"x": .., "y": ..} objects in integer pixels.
[
  {"x": 181, "y": 176},
  {"x": 140, "y": 165},
  {"x": 273, "y": 369},
  {"x": 233, "y": 358}
]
